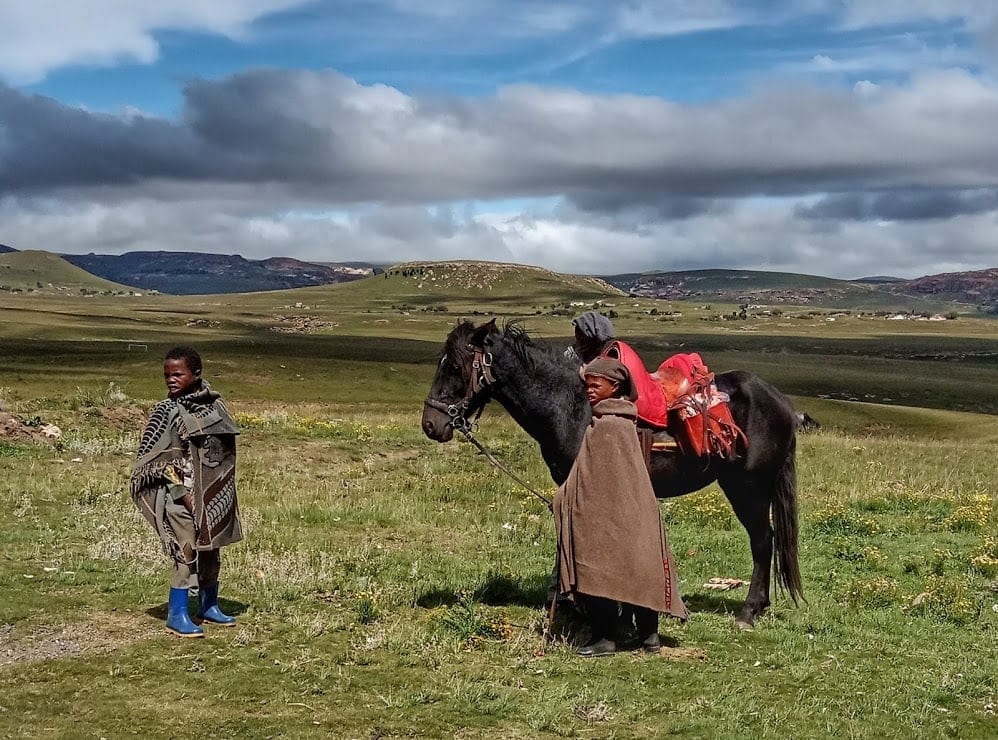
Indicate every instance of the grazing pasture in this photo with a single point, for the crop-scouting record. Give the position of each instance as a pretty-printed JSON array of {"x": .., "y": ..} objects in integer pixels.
[{"x": 390, "y": 586}]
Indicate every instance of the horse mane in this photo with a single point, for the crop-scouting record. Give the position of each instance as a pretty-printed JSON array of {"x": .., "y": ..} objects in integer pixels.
[{"x": 519, "y": 339}]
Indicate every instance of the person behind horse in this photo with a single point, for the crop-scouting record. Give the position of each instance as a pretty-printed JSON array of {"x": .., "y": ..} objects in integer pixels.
[
  {"x": 611, "y": 543},
  {"x": 184, "y": 484},
  {"x": 594, "y": 338}
]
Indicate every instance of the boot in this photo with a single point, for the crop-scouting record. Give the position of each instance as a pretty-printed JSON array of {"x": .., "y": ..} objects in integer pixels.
[
  {"x": 602, "y": 615},
  {"x": 208, "y": 610},
  {"x": 597, "y": 649},
  {"x": 178, "y": 619}
]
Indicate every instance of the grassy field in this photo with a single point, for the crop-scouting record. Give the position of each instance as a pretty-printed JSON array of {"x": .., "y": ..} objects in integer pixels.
[{"x": 389, "y": 586}]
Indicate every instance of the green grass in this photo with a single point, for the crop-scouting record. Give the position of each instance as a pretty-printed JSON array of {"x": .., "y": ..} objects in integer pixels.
[{"x": 390, "y": 585}]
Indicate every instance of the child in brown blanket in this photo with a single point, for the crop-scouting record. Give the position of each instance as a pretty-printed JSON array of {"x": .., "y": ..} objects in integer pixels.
[{"x": 612, "y": 549}]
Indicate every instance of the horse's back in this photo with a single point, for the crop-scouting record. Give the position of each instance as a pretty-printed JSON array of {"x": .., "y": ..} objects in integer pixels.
[{"x": 764, "y": 414}]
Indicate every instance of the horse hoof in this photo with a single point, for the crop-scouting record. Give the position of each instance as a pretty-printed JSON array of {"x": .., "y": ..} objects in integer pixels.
[{"x": 741, "y": 624}]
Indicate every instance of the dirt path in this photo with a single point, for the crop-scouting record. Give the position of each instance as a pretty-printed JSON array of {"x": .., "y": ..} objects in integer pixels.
[{"x": 99, "y": 634}]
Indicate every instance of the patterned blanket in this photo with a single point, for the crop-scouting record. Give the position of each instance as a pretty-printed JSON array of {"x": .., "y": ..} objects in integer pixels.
[{"x": 198, "y": 430}]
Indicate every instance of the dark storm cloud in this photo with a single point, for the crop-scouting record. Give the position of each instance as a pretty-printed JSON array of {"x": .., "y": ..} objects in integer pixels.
[
  {"x": 642, "y": 205},
  {"x": 321, "y": 137},
  {"x": 902, "y": 205},
  {"x": 44, "y": 144}
]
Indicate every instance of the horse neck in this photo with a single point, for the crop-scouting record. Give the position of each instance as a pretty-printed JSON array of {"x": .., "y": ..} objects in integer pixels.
[{"x": 548, "y": 402}]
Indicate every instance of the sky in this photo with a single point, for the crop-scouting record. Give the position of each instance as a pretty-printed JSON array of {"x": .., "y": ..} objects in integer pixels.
[{"x": 845, "y": 138}]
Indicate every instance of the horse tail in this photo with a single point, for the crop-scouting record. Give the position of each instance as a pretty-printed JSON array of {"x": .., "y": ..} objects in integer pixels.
[{"x": 784, "y": 510}]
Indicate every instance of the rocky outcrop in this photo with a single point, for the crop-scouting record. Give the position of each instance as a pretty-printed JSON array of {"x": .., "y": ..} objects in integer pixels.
[{"x": 979, "y": 287}]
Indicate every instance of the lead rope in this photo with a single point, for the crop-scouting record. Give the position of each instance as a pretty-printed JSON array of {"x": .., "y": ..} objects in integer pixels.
[
  {"x": 466, "y": 431},
  {"x": 495, "y": 461}
]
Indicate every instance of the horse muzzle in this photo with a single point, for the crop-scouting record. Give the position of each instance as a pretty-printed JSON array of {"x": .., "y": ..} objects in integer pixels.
[{"x": 436, "y": 424}]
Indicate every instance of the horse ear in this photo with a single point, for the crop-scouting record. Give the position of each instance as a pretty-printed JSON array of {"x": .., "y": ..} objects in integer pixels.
[{"x": 483, "y": 333}]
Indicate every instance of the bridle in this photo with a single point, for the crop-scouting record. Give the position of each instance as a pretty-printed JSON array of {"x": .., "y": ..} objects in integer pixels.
[{"x": 481, "y": 378}]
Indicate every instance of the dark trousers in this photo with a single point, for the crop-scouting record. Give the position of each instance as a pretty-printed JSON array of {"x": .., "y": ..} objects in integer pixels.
[
  {"x": 603, "y": 616},
  {"x": 636, "y": 622},
  {"x": 645, "y": 621}
]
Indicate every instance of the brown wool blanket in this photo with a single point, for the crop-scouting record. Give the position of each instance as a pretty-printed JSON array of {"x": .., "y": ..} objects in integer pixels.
[
  {"x": 197, "y": 426},
  {"x": 611, "y": 542}
]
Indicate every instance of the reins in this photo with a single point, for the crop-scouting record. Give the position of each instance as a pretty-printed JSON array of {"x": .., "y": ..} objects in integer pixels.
[
  {"x": 481, "y": 379},
  {"x": 492, "y": 459}
]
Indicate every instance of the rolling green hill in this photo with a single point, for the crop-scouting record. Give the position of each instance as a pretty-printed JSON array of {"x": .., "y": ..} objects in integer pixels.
[
  {"x": 459, "y": 285},
  {"x": 43, "y": 272}
]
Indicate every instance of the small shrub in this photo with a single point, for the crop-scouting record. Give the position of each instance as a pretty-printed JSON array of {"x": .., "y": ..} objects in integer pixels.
[
  {"x": 985, "y": 558},
  {"x": 839, "y": 520},
  {"x": 874, "y": 593},
  {"x": 365, "y": 608},
  {"x": 939, "y": 561},
  {"x": 102, "y": 398},
  {"x": 846, "y": 548},
  {"x": 972, "y": 516},
  {"x": 471, "y": 626},
  {"x": 947, "y": 600}
]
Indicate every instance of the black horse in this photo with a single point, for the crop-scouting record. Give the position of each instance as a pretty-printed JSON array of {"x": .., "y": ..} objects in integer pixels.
[{"x": 543, "y": 392}]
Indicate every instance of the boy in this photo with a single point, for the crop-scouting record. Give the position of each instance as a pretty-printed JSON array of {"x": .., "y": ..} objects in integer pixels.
[{"x": 184, "y": 484}]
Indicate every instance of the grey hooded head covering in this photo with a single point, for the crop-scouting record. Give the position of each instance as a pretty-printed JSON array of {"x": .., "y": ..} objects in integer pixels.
[
  {"x": 594, "y": 326},
  {"x": 615, "y": 370}
]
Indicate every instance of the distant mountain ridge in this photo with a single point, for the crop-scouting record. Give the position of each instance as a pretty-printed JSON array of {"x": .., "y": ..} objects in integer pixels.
[
  {"x": 188, "y": 273},
  {"x": 878, "y": 279},
  {"x": 191, "y": 273},
  {"x": 933, "y": 292}
]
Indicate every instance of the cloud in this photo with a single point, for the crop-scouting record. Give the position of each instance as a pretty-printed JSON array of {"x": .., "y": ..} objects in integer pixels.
[
  {"x": 316, "y": 165},
  {"x": 902, "y": 205},
  {"x": 866, "y": 13},
  {"x": 37, "y": 37},
  {"x": 768, "y": 234},
  {"x": 649, "y": 18},
  {"x": 325, "y": 138}
]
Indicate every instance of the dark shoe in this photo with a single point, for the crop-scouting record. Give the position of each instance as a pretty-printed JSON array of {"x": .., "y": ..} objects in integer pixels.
[
  {"x": 597, "y": 649},
  {"x": 208, "y": 610},
  {"x": 627, "y": 639},
  {"x": 651, "y": 644},
  {"x": 178, "y": 619}
]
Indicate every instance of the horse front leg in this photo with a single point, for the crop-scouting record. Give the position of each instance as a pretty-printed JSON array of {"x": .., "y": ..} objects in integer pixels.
[{"x": 751, "y": 507}]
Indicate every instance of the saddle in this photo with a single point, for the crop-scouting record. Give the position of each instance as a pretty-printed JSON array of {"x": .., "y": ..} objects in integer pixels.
[{"x": 699, "y": 419}]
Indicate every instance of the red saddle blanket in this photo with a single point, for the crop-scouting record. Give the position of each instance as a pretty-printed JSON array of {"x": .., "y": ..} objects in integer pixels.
[
  {"x": 698, "y": 413},
  {"x": 681, "y": 397}
]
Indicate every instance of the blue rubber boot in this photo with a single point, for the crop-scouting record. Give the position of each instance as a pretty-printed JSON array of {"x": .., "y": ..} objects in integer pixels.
[
  {"x": 178, "y": 619},
  {"x": 208, "y": 610}
]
